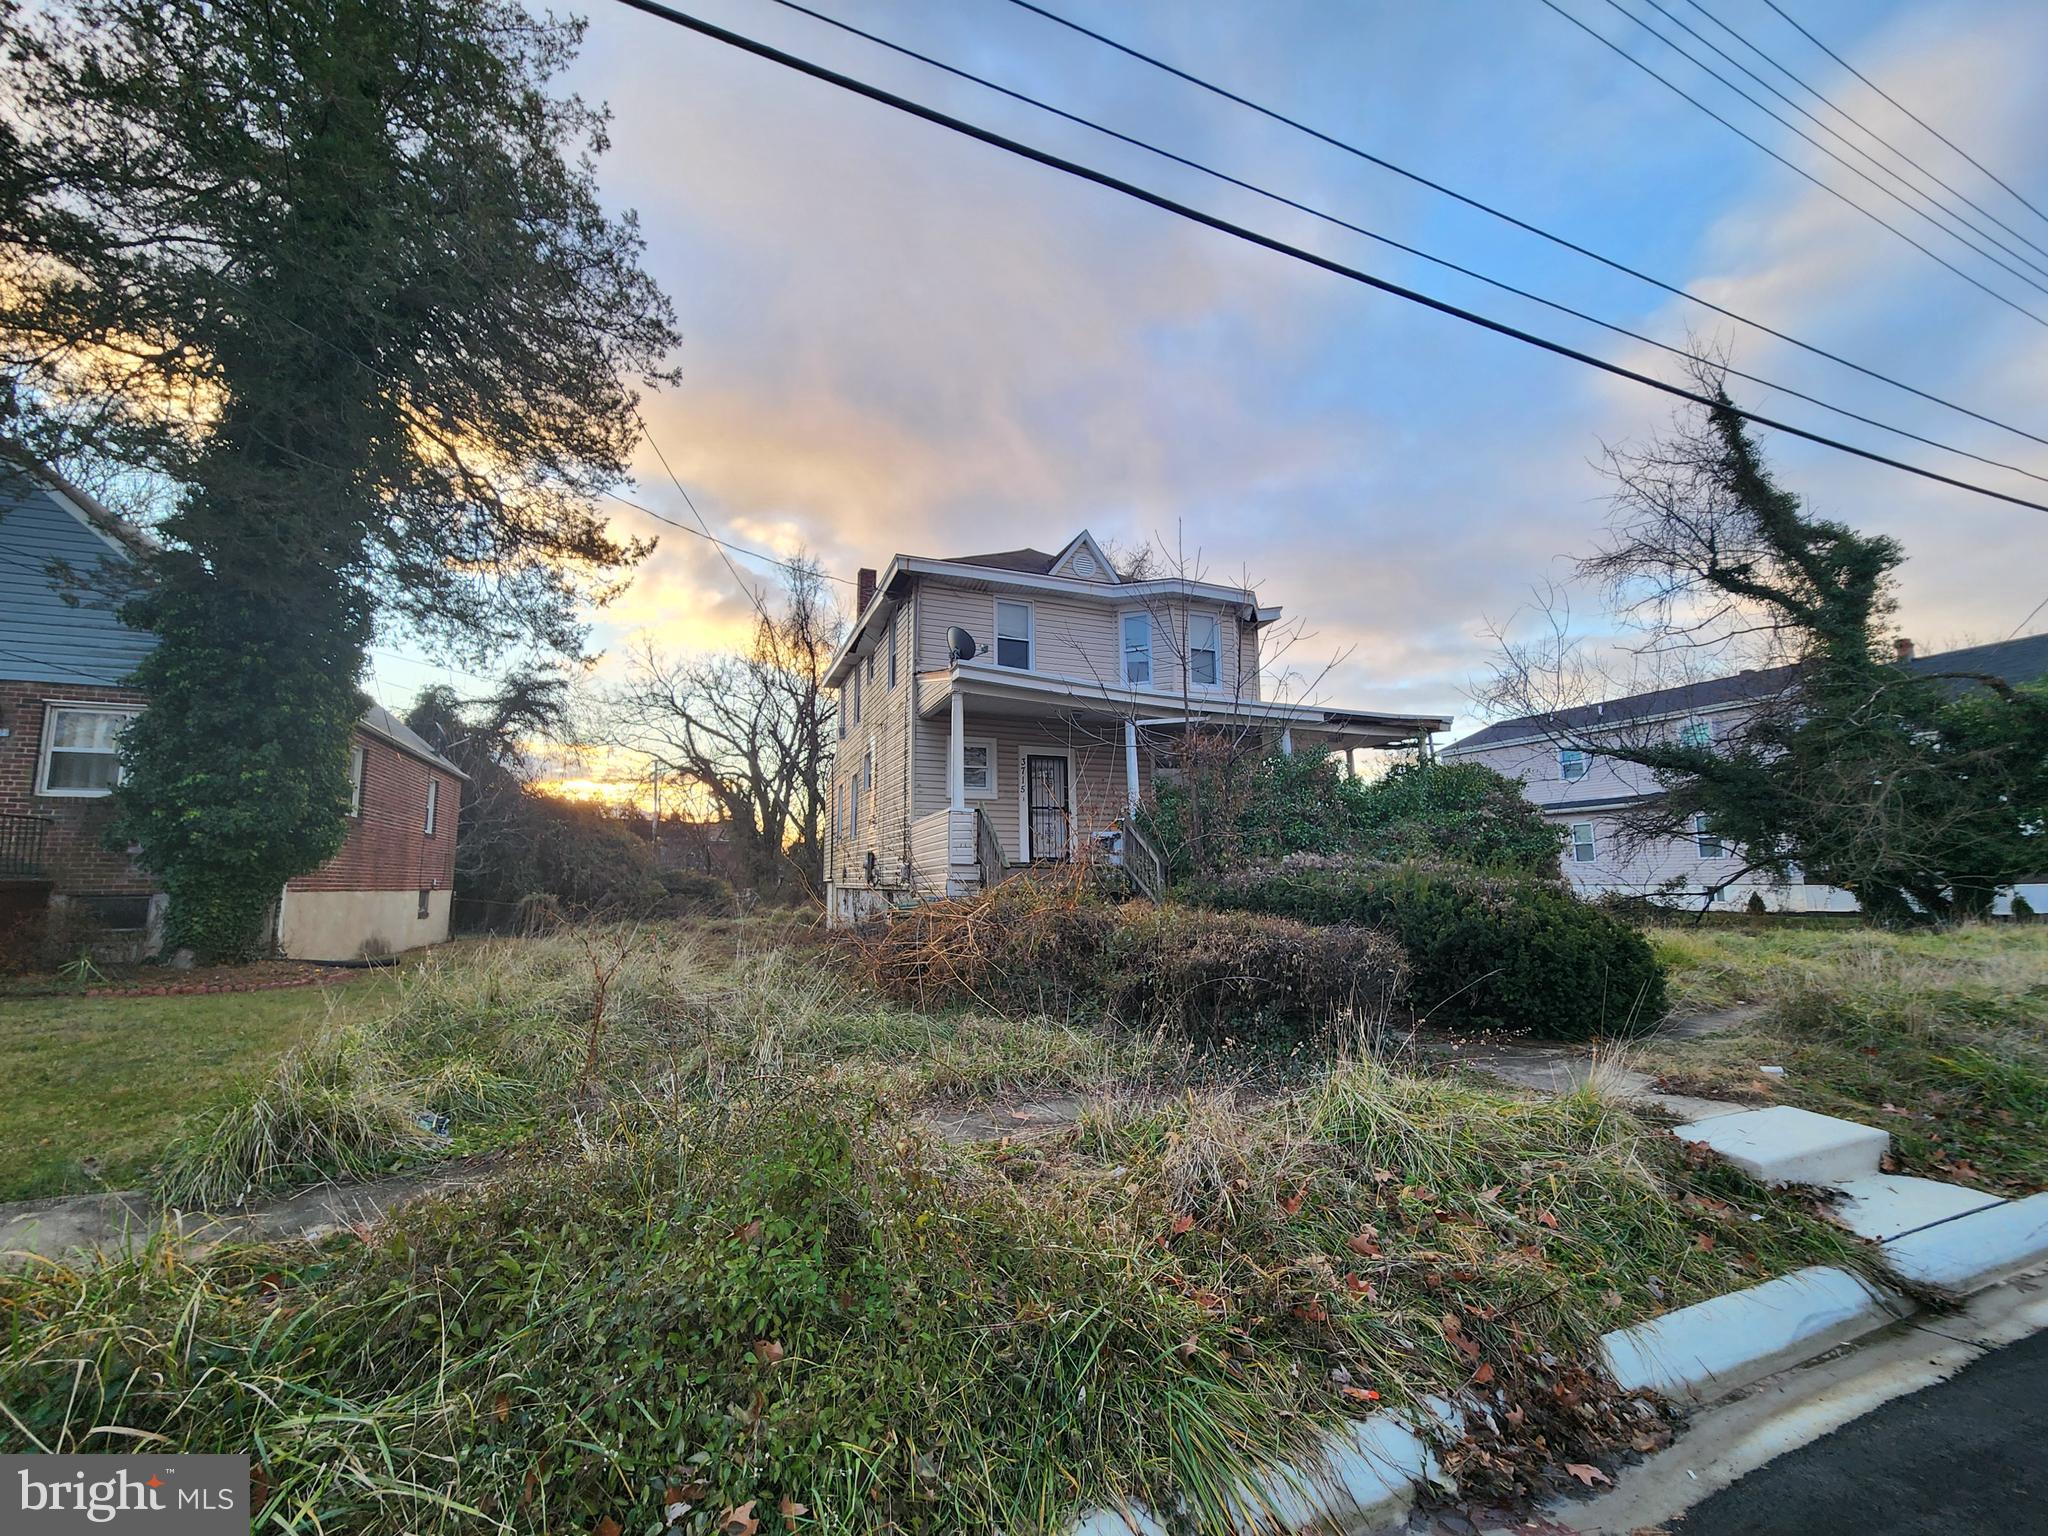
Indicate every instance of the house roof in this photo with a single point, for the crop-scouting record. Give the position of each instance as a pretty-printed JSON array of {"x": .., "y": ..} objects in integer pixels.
[
  {"x": 379, "y": 721},
  {"x": 2014, "y": 661},
  {"x": 1033, "y": 562}
]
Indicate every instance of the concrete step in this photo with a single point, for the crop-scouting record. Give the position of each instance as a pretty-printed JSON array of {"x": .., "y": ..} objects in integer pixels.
[
  {"x": 1974, "y": 1251},
  {"x": 1882, "y": 1206},
  {"x": 1783, "y": 1145}
]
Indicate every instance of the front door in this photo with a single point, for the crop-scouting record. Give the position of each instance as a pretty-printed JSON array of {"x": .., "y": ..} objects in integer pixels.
[{"x": 1045, "y": 810}]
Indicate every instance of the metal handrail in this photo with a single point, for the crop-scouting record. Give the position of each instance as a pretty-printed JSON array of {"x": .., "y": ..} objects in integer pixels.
[{"x": 21, "y": 844}]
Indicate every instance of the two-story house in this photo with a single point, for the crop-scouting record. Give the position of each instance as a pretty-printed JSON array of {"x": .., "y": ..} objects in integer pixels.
[
  {"x": 1009, "y": 709},
  {"x": 65, "y": 696},
  {"x": 1588, "y": 796}
]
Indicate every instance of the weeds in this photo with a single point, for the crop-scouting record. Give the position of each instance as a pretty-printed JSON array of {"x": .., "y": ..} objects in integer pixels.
[{"x": 1940, "y": 1038}]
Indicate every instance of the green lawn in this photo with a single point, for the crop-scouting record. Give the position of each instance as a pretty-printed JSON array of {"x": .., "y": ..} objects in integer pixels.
[
  {"x": 1939, "y": 1037},
  {"x": 92, "y": 1089}
]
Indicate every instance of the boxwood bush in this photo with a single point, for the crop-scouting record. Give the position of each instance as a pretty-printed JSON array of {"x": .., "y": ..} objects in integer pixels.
[
  {"x": 1032, "y": 947},
  {"x": 1483, "y": 951}
]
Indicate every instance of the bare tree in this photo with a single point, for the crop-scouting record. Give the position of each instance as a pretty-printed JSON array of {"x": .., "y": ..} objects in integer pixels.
[{"x": 752, "y": 730}]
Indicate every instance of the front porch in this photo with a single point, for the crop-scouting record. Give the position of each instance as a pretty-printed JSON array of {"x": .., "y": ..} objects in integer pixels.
[{"x": 1015, "y": 769}]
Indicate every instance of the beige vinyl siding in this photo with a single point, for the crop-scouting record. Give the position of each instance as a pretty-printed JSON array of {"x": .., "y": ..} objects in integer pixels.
[
  {"x": 1081, "y": 635},
  {"x": 884, "y": 826},
  {"x": 1098, "y": 771}
]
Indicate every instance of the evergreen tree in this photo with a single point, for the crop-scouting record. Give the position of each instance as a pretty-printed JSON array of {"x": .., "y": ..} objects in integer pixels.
[{"x": 336, "y": 270}]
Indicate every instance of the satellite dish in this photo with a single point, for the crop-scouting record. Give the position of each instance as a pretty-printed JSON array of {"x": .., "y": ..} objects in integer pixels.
[{"x": 960, "y": 644}]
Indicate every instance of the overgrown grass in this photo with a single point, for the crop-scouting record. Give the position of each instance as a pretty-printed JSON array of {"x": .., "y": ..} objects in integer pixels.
[
  {"x": 499, "y": 1039},
  {"x": 781, "y": 1292},
  {"x": 1941, "y": 1037},
  {"x": 91, "y": 1089}
]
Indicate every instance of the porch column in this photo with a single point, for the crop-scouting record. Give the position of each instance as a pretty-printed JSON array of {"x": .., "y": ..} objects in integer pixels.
[
  {"x": 1131, "y": 767},
  {"x": 1287, "y": 741},
  {"x": 956, "y": 757}
]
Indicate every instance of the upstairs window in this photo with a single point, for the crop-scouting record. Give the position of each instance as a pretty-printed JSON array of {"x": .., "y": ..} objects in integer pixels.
[
  {"x": 1709, "y": 845},
  {"x": 355, "y": 780},
  {"x": 1582, "y": 842},
  {"x": 1138, "y": 648},
  {"x": 890, "y": 641},
  {"x": 1696, "y": 733},
  {"x": 79, "y": 750},
  {"x": 1205, "y": 650},
  {"x": 1013, "y": 635},
  {"x": 1571, "y": 765},
  {"x": 845, "y": 698},
  {"x": 856, "y": 696},
  {"x": 433, "y": 804}
]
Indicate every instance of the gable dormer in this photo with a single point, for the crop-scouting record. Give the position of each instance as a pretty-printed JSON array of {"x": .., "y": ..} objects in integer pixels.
[{"x": 1083, "y": 560}]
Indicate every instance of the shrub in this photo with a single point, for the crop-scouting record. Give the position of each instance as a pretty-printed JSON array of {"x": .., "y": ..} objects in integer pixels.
[
  {"x": 1235, "y": 804},
  {"x": 1482, "y": 950},
  {"x": 1027, "y": 946}
]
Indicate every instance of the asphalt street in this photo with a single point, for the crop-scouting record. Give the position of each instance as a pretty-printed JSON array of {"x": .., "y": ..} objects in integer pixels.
[{"x": 1967, "y": 1455}]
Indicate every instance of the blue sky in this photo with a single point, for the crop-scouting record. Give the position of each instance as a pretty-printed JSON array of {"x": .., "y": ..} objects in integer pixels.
[{"x": 896, "y": 339}]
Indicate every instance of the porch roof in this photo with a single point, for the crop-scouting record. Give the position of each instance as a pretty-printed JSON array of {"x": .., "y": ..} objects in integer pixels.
[{"x": 1001, "y": 690}]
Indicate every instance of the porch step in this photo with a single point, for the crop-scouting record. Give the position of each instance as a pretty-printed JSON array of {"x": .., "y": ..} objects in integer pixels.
[
  {"x": 1884, "y": 1206},
  {"x": 1783, "y": 1145}
]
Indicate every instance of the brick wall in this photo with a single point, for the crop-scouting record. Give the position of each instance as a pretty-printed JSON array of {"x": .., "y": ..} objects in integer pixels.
[
  {"x": 388, "y": 848},
  {"x": 73, "y": 851}
]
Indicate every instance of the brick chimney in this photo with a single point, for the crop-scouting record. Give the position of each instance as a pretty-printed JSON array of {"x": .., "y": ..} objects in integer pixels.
[
  {"x": 863, "y": 589},
  {"x": 1902, "y": 649}
]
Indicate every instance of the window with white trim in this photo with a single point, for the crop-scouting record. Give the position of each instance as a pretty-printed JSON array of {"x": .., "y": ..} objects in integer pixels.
[
  {"x": 856, "y": 694},
  {"x": 1571, "y": 764},
  {"x": 845, "y": 699},
  {"x": 1137, "y": 631},
  {"x": 853, "y": 809},
  {"x": 433, "y": 804},
  {"x": 1582, "y": 842},
  {"x": 1013, "y": 635},
  {"x": 1696, "y": 733},
  {"x": 79, "y": 754},
  {"x": 1205, "y": 650},
  {"x": 1710, "y": 846},
  {"x": 890, "y": 641},
  {"x": 978, "y": 767},
  {"x": 355, "y": 779}
]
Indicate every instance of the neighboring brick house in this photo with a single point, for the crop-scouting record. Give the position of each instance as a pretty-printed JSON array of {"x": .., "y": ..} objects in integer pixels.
[{"x": 63, "y": 703}]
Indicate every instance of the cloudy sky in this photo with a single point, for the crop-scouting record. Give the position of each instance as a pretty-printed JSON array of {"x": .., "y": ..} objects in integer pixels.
[{"x": 896, "y": 339}]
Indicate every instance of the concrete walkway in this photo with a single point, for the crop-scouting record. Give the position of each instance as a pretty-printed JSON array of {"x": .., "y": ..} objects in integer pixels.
[{"x": 113, "y": 1222}]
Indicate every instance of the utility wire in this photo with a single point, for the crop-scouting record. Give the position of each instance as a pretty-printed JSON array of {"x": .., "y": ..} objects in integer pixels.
[
  {"x": 738, "y": 549},
  {"x": 1857, "y": 149},
  {"x": 1508, "y": 218},
  {"x": 1388, "y": 240},
  {"x": 1858, "y": 124},
  {"x": 1268, "y": 242},
  {"x": 1915, "y": 116},
  {"x": 1798, "y": 170}
]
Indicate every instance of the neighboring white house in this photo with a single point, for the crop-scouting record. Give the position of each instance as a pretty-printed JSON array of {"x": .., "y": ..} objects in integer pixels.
[
  {"x": 1031, "y": 742},
  {"x": 1586, "y": 795}
]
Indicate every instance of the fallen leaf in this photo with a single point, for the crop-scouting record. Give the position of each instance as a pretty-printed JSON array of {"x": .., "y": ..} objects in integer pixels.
[
  {"x": 1482, "y": 1376},
  {"x": 1292, "y": 1203},
  {"x": 1548, "y": 1218},
  {"x": 790, "y": 1509},
  {"x": 1491, "y": 1194},
  {"x": 767, "y": 1351},
  {"x": 1383, "y": 1176},
  {"x": 1704, "y": 1241},
  {"x": 1312, "y": 1312},
  {"x": 1364, "y": 1243},
  {"x": 1182, "y": 1223},
  {"x": 1360, "y": 1394},
  {"x": 740, "y": 1521},
  {"x": 608, "y": 1527},
  {"x": 1585, "y": 1474},
  {"x": 1188, "y": 1347},
  {"x": 502, "y": 1407},
  {"x": 748, "y": 1232}
]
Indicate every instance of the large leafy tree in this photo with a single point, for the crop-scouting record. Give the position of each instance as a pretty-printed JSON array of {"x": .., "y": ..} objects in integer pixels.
[
  {"x": 1919, "y": 790},
  {"x": 337, "y": 272}
]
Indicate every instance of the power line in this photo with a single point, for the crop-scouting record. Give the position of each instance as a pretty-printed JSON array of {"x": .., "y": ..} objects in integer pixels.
[
  {"x": 1798, "y": 170},
  {"x": 1524, "y": 225},
  {"x": 738, "y": 549},
  {"x": 1850, "y": 118},
  {"x": 1916, "y": 117},
  {"x": 1268, "y": 242},
  {"x": 1708, "y": 43},
  {"x": 1388, "y": 240}
]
